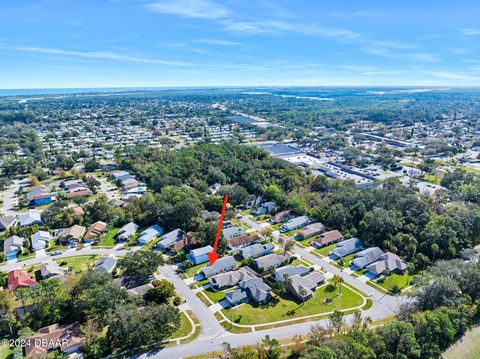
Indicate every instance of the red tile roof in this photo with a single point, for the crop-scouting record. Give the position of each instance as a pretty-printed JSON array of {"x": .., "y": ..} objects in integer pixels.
[{"x": 17, "y": 278}]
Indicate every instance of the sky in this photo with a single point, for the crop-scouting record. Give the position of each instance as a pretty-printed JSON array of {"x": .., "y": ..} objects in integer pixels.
[{"x": 169, "y": 43}]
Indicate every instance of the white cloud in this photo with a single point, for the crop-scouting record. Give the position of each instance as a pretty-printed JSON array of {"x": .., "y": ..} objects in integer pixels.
[
  {"x": 219, "y": 42},
  {"x": 470, "y": 32},
  {"x": 96, "y": 55},
  {"x": 203, "y": 9}
]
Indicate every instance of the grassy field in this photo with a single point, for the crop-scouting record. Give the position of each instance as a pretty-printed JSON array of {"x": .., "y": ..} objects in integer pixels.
[
  {"x": 466, "y": 348},
  {"x": 79, "y": 264},
  {"x": 285, "y": 307},
  {"x": 109, "y": 239},
  {"x": 401, "y": 280},
  {"x": 325, "y": 251},
  {"x": 185, "y": 327},
  {"x": 214, "y": 296},
  {"x": 191, "y": 272}
]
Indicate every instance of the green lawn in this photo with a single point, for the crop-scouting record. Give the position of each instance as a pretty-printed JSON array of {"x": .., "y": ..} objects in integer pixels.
[
  {"x": 191, "y": 272},
  {"x": 6, "y": 352},
  {"x": 185, "y": 327},
  {"x": 401, "y": 280},
  {"x": 285, "y": 307},
  {"x": 325, "y": 251},
  {"x": 79, "y": 263},
  {"x": 151, "y": 244},
  {"x": 431, "y": 178},
  {"x": 346, "y": 260},
  {"x": 214, "y": 296},
  {"x": 52, "y": 246},
  {"x": 109, "y": 239}
]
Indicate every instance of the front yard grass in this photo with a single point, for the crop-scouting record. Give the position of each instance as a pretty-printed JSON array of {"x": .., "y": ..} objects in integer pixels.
[
  {"x": 185, "y": 327},
  {"x": 191, "y": 272},
  {"x": 284, "y": 307},
  {"x": 325, "y": 251},
  {"x": 401, "y": 280},
  {"x": 80, "y": 263},
  {"x": 109, "y": 239},
  {"x": 213, "y": 295}
]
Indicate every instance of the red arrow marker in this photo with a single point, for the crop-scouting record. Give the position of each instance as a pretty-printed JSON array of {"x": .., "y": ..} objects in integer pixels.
[{"x": 213, "y": 256}]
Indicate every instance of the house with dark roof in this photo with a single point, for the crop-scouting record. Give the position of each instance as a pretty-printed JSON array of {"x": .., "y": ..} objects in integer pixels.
[
  {"x": 199, "y": 255},
  {"x": 295, "y": 223},
  {"x": 229, "y": 279},
  {"x": 253, "y": 288},
  {"x": 327, "y": 238},
  {"x": 387, "y": 262},
  {"x": 366, "y": 257},
  {"x": 256, "y": 250},
  {"x": 271, "y": 261},
  {"x": 73, "y": 234},
  {"x": 51, "y": 270},
  {"x": 347, "y": 247},
  {"x": 170, "y": 238},
  {"x": 311, "y": 230},
  {"x": 243, "y": 241},
  {"x": 221, "y": 265},
  {"x": 303, "y": 287}
]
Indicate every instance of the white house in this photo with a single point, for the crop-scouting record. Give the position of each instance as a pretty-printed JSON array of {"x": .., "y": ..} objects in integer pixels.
[{"x": 40, "y": 239}]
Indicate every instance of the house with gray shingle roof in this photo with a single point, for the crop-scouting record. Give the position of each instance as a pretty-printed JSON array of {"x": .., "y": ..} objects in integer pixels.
[
  {"x": 229, "y": 279},
  {"x": 271, "y": 261},
  {"x": 256, "y": 289},
  {"x": 170, "y": 238},
  {"x": 256, "y": 250},
  {"x": 12, "y": 245},
  {"x": 303, "y": 287},
  {"x": 366, "y": 257},
  {"x": 149, "y": 234},
  {"x": 290, "y": 271},
  {"x": 295, "y": 223},
  {"x": 199, "y": 255},
  {"x": 232, "y": 232},
  {"x": 127, "y": 231},
  {"x": 221, "y": 265},
  {"x": 388, "y": 261},
  {"x": 347, "y": 247},
  {"x": 7, "y": 221},
  {"x": 108, "y": 263}
]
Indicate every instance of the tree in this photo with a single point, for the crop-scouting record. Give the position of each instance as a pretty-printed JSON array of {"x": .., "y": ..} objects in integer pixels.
[
  {"x": 271, "y": 348},
  {"x": 338, "y": 279},
  {"x": 130, "y": 328},
  {"x": 161, "y": 293},
  {"x": 140, "y": 263},
  {"x": 336, "y": 322},
  {"x": 237, "y": 195},
  {"x": 399, "y": 339},
  {"x": 286, "y": 243}
]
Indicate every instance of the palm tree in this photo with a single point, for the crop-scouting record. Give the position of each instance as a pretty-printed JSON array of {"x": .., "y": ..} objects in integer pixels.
[
  {"x": 435, "y": 248},
  {"x": 336, "y": 279}
]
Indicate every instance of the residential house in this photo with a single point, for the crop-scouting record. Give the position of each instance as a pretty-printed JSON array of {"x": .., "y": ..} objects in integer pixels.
[
  {"x": 11, "y": 246},
  {"x": 31, "y": 218},
  {"x": 40, "y": 240},
  {"x": 366, "y": 257},
  {"x": 311, "y": 230},
  {"x": 17, "y": 278},
  {"x": 280, "y": 217},
  {"x": 327, "y": 238},
  {"x": 233, "y": 232},
  {"x": 264, "y": 208},
  {"x": 188, "y": 239},
  {"x": 51, "y": 270},
  {"x": 67, "y": 339},
  {"x": 73, "y": 234},
  {"x": 170, "y": 238},
  {"x": 229, "y": 279},
  {"x": 127, "y": 231},
  {"x": 289, "y": 271},
  {"x": 141, "y": 290},
  {"x": 387, "y": 262},
  {"x": 221, "y": 265},
  {"x": 108, "y": 263},
  {"x": 347, "y": 247},
  {"x": 75, "y": 194},
  {"x": 210, "y": 215},
  {"x": 77, "y": 210},
  {"x": 149, "y": 234},
  {"x": 6, "y": 222},
  {"x": 243, "y": 241},
  {"x": 40, "y": 199},
  {"x": 271, "y": 261},
  {"x": 253, "y": 288},
  {"x": 227, "y": 224},
  {"x": 295, "y": 223},
  {"x": 199, "y": 255},
  {"x": 256, "y": 250},
  {"x": 303, "y": 287},
  {"x": 71, "y": 183},
  {"x": 95, "y": 231}
]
